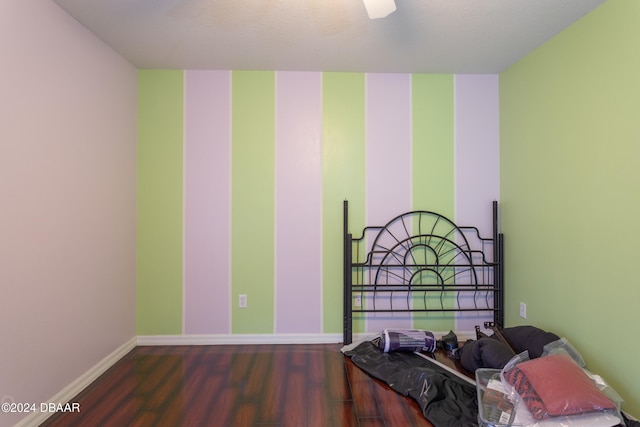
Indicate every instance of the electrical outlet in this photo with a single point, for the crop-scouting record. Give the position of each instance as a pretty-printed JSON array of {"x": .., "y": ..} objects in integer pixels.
[
  {"x": 523, "y": 310},
  {"x": 242, "y": 300},
  {"x": 357, "y": 301}
]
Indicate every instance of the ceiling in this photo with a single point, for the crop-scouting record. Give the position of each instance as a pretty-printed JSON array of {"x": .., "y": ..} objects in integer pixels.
[{"x": 421, "y": 36}]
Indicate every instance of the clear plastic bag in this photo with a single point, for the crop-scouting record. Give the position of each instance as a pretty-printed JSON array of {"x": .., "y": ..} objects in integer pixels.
[
  {"x": 563, "y": 344},
  {"x": 555, "y": 389}
]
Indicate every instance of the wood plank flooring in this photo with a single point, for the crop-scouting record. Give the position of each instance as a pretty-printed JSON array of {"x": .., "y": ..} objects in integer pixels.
[{"x": 239, "y": 385}]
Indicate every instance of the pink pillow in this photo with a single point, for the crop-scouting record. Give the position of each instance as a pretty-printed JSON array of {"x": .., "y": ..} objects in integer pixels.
[{"x": 563, "y": 387}]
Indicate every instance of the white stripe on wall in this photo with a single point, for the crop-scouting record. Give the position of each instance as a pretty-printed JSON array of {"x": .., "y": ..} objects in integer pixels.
[
  {"x": 298, "y": 205},
  {"x": 477, "y": 149},
  {"x": 388, "y": 163},
  {"x": 206, "y": 202},
  {"x": 477, "y": 162}
]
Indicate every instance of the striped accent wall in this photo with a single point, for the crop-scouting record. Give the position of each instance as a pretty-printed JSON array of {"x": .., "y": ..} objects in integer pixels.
[{"x": 242, "y": 175}]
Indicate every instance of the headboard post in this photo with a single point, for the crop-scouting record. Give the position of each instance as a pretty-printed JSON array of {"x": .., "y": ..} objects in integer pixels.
[
  {"x": 347, "y": 326},
  {"x": 500, "y": 281},
  {"x": 498, "y": 259}
]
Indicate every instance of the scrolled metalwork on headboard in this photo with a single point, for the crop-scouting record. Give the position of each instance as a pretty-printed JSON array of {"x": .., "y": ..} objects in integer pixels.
[{"x": 422, "y": 261}]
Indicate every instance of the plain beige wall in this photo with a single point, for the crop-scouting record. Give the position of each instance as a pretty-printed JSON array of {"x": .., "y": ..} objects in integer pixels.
[{"x": 67, "y": 201}]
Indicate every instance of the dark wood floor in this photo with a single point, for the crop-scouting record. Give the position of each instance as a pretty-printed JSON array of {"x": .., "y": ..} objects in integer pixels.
[{"x": 239, "y": 385}]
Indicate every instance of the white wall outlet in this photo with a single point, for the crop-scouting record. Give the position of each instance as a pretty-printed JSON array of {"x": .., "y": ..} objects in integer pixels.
[
  {"x": 357, "y": 301},
  {"x": 242, "y": 300},
  {"x": 523, "y": 310}
]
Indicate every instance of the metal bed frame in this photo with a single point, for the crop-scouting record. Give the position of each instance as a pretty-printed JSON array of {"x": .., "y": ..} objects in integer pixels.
[{"x": 422, "y": 262}]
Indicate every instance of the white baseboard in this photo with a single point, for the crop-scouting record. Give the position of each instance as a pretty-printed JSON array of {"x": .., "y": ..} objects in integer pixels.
[
  {"x": 220, "y": 339},
  {"x": 70, "y": 391}
]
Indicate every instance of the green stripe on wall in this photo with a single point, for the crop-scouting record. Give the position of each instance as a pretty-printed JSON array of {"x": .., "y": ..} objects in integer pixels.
[
  {"x": 343, "y": 138},
  {"x": 252, "y": 205},
  {"x": 433, "y": 159},
  {"x": 159, "y": 223}
]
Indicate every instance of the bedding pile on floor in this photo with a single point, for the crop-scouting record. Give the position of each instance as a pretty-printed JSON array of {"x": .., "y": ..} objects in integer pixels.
[
  {"x": 447, "y": 398},
  {"x": 444, "y": 398}
]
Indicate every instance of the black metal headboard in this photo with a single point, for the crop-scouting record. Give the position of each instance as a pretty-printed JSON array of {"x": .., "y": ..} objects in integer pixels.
[{"x": 421, "y": 261}]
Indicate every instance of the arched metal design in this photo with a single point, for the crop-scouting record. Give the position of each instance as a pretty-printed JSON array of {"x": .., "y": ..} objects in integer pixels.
[{"x": 421, "y": 261}]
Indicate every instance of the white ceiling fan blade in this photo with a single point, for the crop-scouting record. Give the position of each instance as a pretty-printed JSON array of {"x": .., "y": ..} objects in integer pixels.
[{"x": 379, "y": 8}]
